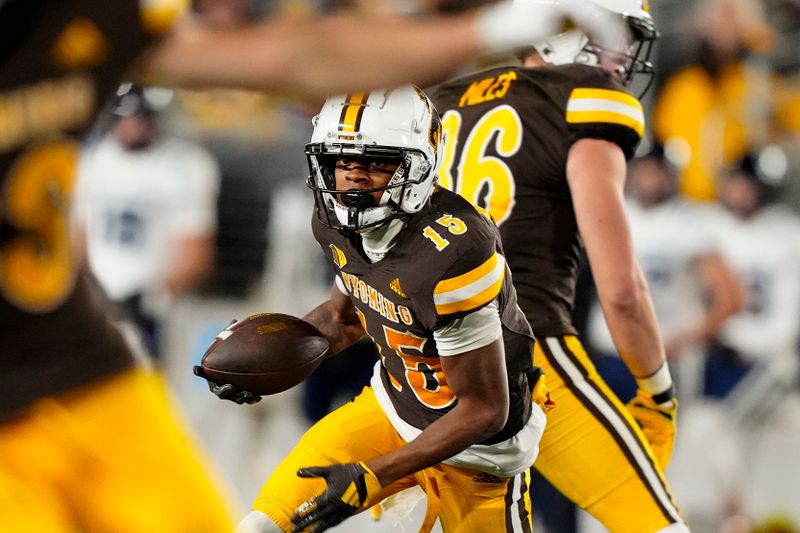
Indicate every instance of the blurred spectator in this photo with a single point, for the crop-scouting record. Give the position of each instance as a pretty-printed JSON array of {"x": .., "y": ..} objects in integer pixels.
[
  {"x": 729, "y": 100},
  {"x": 761, "y": 241},
  {"x": 693, "y": 290},
  {"x": 147, "y": 204},
  {"x": 729, "y": 466}
]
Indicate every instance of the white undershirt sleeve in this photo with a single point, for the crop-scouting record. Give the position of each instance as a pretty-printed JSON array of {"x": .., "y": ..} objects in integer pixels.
[
  {"x": 340, "y": 285},
  {"x": 475, "y": 330}
]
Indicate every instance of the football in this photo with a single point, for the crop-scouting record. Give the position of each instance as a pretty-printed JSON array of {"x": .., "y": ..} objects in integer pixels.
[{"x": 265, "y": 353}]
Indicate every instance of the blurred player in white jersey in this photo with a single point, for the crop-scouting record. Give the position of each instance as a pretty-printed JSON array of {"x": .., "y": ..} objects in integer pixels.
[
  {"x": 725, "y": 466},
  {"x": 693, "y": 290},
  {"x": 761, "y": 241},
  {"x": 147, "y": 202}
]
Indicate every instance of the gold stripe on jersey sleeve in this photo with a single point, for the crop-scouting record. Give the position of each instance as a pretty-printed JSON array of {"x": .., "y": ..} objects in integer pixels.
[
  {"x": 452, "y": 284},
  {"x": 472, "y": 289},
  {"x": 476, "y": 301},
  {"x": 604, "y": 94},
  {"x": 587, "y": 105},
  {"x": 352, "y": 112}
]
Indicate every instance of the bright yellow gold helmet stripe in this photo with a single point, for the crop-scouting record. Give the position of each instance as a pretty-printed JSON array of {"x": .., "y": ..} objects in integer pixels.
[{"x": 350, "y": 120}]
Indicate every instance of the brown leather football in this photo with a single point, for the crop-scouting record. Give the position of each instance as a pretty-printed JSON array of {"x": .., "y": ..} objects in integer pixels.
[{"x": 265, "y": 353}]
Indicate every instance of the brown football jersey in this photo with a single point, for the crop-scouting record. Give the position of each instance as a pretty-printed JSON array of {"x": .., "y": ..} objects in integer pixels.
[
  {"x": 447, "y": 262},
  {"x": 58, "y": 61},
  {"x": 507, "y": 132}
]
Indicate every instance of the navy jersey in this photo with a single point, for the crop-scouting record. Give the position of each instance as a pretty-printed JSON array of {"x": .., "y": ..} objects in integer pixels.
[
  {"x": 59, "y": 59},
  {"x": 447, "y": 262},
  {"x": 507, "y": 134}
]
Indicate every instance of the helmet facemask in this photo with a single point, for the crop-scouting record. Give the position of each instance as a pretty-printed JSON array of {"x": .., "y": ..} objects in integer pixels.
[
  {"x": 357, "y": 209},
  {"x": 627, "y": 55},
  {"x": 635, "y": 51}
]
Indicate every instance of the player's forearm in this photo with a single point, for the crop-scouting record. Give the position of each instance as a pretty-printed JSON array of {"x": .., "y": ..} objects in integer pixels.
[
  {"x": 632, "y": 323},
  {"x": 725, "y": 299},
  {"x": 384, "y": 51},
  {"x": 194, "y": 264},
  {"x": 319, "y": 57},
  {"x": 716, "y": 316},
  {"x": 596, "y": 175},
  {"x": 478, "y": 379},
  {"x": 726, "y": 294},
  {"x": 465, "y": 425},
  {"x": 340, "y": 330}
]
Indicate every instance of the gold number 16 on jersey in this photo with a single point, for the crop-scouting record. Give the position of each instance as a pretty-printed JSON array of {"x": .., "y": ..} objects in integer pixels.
[{"x": 478, "y": 172}]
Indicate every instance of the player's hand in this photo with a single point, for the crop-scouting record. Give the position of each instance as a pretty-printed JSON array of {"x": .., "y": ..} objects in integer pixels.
[
  {"x": 515, "y": 23},
  {"x": 657, "y": 421},
  {"x": 349, "y": 488},
  {"x": 227, "y": 391}
]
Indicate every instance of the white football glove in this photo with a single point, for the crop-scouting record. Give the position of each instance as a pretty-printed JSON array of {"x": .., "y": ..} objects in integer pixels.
[{"x": 515, "y": 23}]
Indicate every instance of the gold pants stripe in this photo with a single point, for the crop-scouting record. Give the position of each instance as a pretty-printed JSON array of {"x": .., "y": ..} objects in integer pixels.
[{"x": 593, "y": 451}]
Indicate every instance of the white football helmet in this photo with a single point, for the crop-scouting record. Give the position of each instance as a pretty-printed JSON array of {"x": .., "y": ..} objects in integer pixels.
[
  {"x": 400, "y": 126},
  {"x": 574, "y": 46}
]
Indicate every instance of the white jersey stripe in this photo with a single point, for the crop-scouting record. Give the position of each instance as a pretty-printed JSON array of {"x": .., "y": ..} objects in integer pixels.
[
  {"x": 630, "y": 440},
  {"x": 473, "y": 289},
  {"x": 602, "y": 104}
]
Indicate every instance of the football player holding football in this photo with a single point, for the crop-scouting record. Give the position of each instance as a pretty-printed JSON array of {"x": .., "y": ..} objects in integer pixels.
[
  {"x": 543, "y": 148},
  {"x": 421, "y": 271},
  {"x": 87, "y": 440}
]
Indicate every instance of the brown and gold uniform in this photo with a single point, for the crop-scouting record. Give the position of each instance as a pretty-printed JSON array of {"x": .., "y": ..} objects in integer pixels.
[
  {"x": 87, "y": 441},
  {"x": 446, "y": 263},
  {"x": 507, "y": 133}
]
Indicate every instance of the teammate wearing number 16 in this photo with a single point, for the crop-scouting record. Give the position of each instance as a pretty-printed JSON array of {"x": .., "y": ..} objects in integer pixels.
[
  {"x": 421, "y": 271},
  {"x": 543, "y": 148}
]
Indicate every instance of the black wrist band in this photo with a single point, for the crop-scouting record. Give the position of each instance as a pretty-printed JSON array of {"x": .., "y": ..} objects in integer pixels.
[{"x": 664, "y": 397}]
